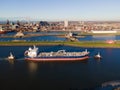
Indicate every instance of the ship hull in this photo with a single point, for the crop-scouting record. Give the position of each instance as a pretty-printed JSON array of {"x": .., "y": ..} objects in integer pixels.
[
  {"x": 2, "y": 32},
  {"x": 39, "y": 59}
]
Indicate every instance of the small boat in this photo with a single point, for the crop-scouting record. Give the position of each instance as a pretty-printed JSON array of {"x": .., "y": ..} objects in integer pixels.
[
  {"x": 98, "y": 56},
  {"x": 70, "y": 37},
  {"x": 60, "y": 55},
  {"x": 11, "y": 57},
  {"x": 2, "y": 31}
]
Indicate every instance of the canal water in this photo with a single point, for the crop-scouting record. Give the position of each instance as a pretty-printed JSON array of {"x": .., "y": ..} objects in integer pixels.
[
  {"x": 90, "y": 74},
  {"x": 54, "y": 36}
]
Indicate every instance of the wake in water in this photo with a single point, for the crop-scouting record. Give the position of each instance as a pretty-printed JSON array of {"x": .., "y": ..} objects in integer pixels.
[
  {"x": 3, "y": 59},
  {"x": 19, "y": 59},
  {"x": 111, "y": 85}
]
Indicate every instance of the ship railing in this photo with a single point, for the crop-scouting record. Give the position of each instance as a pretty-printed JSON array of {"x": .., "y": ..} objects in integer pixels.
[
  {"x": 63, "y": 53},
  {"x": 60, "y": 53}
]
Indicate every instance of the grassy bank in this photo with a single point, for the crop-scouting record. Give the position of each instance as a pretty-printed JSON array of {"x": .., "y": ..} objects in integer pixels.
[{"x": 92, "y": 44}]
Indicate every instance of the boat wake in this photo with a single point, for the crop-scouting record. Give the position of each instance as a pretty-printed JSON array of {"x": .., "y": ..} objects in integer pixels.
[
  {"x": 3, "y": 59},
  {"x": 18, "y": 59},
  {"x": 110, "y": 85}
]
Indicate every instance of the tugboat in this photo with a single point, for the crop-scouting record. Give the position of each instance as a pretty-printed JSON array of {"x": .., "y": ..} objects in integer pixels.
[
  {"x": 60, "y": 55},
  {"x": 70, "y": 37},
  {"x": 11, "y": 57},
  {"x": 98, "y": 56},
  {"x": 2, "y": 31}
]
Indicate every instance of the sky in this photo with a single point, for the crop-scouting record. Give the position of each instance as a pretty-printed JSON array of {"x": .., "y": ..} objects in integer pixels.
[{"x": 80, "y": 10}]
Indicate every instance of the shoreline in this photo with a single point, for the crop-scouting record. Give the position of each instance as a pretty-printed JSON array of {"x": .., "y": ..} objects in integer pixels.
[{"x": 88, "y": 44}]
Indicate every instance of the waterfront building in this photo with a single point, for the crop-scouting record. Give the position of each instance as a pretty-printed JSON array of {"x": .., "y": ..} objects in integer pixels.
[
  {"x": 15, "y": 26},
  {"x": 65, "y": 23},
  {"x": 104, "y": 31}
]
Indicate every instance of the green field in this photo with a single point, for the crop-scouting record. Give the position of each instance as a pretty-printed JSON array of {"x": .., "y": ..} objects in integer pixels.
[{"x": 92, "y": 44}]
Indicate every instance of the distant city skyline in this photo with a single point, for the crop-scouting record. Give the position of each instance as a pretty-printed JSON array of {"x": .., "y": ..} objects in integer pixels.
[{"x": 57, "y": 10}]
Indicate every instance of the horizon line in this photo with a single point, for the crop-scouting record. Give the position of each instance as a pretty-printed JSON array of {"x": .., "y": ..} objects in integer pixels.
[{"x": 38, "y": 19}]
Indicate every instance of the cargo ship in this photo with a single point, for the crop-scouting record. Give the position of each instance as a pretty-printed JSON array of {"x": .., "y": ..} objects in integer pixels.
[{"x": 61, "y": 55}]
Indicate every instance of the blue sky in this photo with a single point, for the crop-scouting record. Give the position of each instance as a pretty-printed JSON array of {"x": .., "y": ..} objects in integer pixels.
[{"x": 61, "y": 9}]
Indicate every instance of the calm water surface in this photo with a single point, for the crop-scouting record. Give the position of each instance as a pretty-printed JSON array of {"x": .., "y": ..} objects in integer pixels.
[
  {"x": 80, "y": 75},
  {"x": 50, "y": 37}
]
